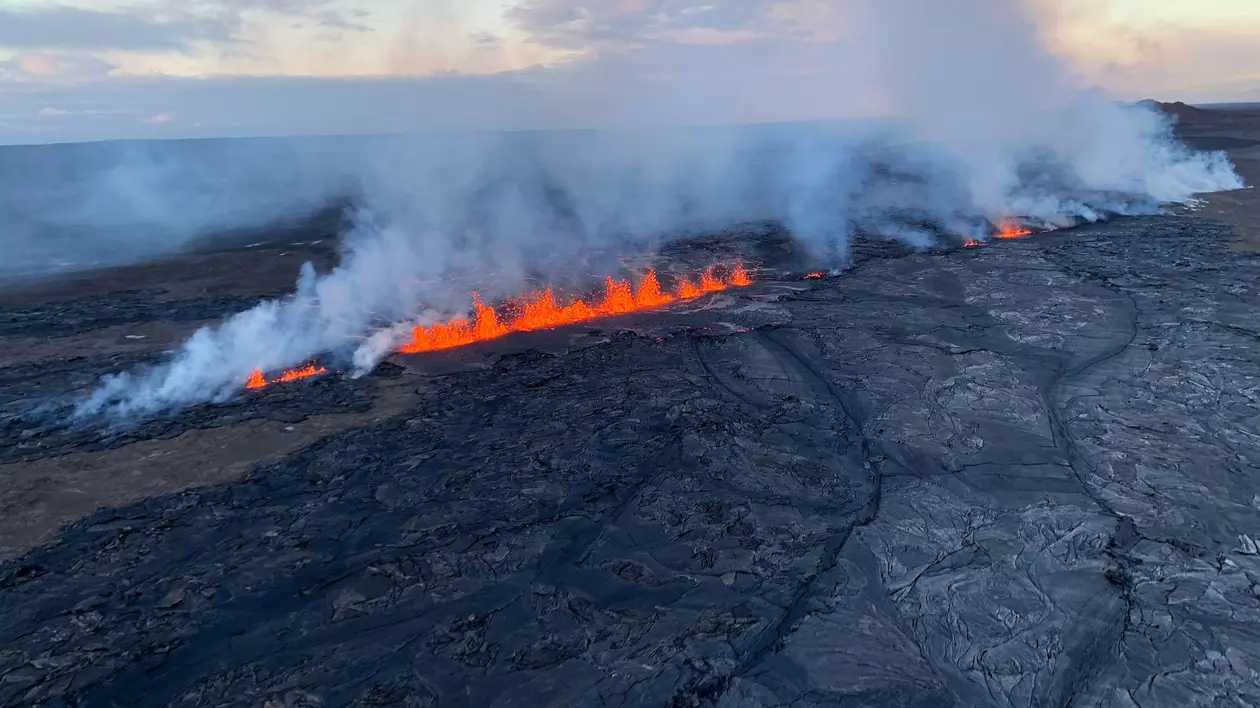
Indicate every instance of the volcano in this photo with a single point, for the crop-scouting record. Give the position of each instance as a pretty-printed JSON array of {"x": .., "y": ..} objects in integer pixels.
[{"x": 1019, "y": 474}]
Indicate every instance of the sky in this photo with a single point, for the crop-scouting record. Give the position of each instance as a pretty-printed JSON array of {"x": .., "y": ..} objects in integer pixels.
[{"x": 101, "y": 69}]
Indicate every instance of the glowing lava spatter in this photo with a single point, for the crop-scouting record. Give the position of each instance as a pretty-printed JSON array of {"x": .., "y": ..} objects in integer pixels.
[
  {"x": 257, "y": 380},
  {"x": 1010, "y": 228},
  {"x": 1006, "y": 228},
  {"x": 541, "y": 310}
]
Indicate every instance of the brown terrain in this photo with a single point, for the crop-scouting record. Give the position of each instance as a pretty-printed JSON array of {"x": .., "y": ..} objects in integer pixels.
[{"x": 1026, "y": 474}]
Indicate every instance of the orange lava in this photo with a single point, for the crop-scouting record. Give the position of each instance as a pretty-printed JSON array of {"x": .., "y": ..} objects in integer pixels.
[
  {"x": 814, "y": 276},
  {"x": 541, "y": 309},
  {"x": 1010, "y": 228},
  {"x": 257, "y": 380},
  {"x": 971, "y": 243}
]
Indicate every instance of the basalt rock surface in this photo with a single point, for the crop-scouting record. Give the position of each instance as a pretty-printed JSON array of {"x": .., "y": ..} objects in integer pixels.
[{"x": 1018, "y": 475}]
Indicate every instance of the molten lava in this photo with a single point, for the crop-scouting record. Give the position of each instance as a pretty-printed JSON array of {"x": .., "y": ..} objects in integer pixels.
[
  {"x": 814, "y": 276},
  {"x": 257, "y": 380},
  {"x": 1010, "y": 228},
  {"x": 541, "y": 310},
  {"x": 1006, "y": 228}
]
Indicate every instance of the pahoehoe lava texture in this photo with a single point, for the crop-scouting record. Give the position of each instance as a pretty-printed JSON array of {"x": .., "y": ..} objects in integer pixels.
[{"x": 1021, "y": 475}]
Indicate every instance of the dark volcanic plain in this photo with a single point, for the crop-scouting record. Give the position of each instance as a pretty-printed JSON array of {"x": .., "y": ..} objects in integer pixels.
[{"x": 1026, "y": 474}]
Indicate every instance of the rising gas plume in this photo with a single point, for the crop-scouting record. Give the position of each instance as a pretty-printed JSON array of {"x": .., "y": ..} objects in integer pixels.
[{"x": 987, "y": 126}]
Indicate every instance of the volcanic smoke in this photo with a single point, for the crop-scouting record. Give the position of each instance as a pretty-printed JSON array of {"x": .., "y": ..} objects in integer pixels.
[{"x": 987, "y": 128}]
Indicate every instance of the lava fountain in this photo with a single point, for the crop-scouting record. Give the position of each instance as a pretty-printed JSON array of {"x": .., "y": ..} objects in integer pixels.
[
  {"x": 1010, "y": 228},
  {"x": 258, "y": 380},
  {"x": 542, "y": 310}
]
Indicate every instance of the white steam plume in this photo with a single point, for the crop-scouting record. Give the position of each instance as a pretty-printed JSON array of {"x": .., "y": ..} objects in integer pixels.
[{"x": 988, "y": 124}]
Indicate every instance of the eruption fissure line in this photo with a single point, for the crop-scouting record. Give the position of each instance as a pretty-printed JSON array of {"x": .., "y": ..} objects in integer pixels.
[
  {"x": 1009, "y": 228},
  {"x": 258, "y": 380},
  {"x": 541, "y": 310},
  {"x": 1006, "y": 228}
]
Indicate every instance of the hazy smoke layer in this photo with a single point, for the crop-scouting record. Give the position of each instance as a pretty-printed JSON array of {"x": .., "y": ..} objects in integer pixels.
[
  {"x": 68, "y": 207},
  {"x": 989, "y": 125}
]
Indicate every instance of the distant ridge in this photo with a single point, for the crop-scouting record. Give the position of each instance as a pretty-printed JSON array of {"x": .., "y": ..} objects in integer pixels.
[
  {"x": 1235, "y": 106},
  {"x": 1178, "y": 110}
]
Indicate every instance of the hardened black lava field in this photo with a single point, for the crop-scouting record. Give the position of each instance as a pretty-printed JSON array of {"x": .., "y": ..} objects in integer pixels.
[{"x": 1023, "y": 474}]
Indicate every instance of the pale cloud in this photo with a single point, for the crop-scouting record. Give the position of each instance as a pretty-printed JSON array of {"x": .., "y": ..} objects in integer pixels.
[
  {"x": 1168, "y": 50},
  {"x": 67, "y": 27},
  {"x": 43, "y": 65},
  {"x": 336, "y": 38},
  {"x": 709, "y": 35},
  {"x": 123, "y": 107},
  {"x": 532, "y": 63},
  {"x": 1135, "y": 48},
  {"x": 188, "y": 37},
  {"x": 442, "y": 36},
  {"x": 592, "y": 24},
  {"x": 60, "y": 113},
  {"x": 327, "y": 14}
]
